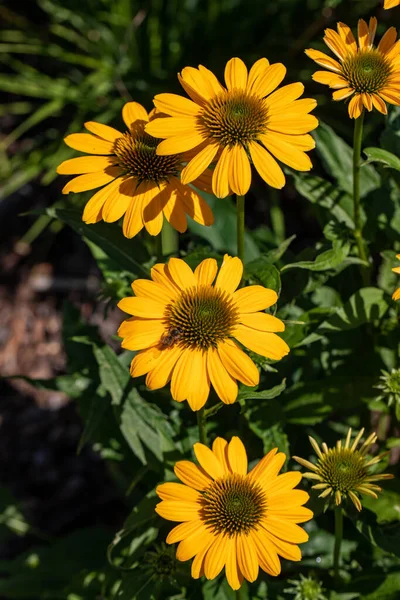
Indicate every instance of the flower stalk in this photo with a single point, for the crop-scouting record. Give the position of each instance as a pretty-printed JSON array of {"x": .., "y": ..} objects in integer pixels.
[
  {"x": 357, "y": 141},
  {"x": 240, "y": 226},
  {"x": 338, "y": 542},
  {"x": 169, "y": 240},
  {"x": 201, "y": 424}
]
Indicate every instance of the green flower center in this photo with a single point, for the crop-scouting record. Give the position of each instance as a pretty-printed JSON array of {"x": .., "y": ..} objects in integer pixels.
[
  {"x": 234, "y": 117},
  {"x": 160, "y": 562},
  {"x": 367, "y": 71},
  {"x": 343, "y": 469},
  {"x": 200, "y": 318},
  {"x": 233, "y": 505},
  {"x": 136, "y": 155}
]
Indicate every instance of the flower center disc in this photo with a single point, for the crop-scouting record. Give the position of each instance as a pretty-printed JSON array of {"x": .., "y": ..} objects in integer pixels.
[
  {"x": 234, "y": 118},
  {"x": 367, "y": 71},
  {"x": 137, "y": 156},
  {"x": 203, "y": 316},
  {"x": 343, "y": 469},
  {"x": 233, "y": 505}
]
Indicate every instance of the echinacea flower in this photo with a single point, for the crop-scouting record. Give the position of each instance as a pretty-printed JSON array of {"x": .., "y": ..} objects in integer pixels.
[
  {"x": 231, "y": 518},
  {"x": 369, "y": 75},
  {"x": 389, "y": 387},
  {"x": 230, "y": 125},
  {"x": 306, "y": 588},
  {"x": 184, "y": 327},
  {"x": 140, "y": 185},
  {"x": 396, "y": 293},
  {"x": 345, "y": 471},
  {"x": 391, "y": 4}
]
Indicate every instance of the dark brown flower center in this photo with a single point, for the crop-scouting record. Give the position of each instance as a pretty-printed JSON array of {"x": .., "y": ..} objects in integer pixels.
[
  {"x": 233, "y": 505},
  {"x": 343, "y": 469},
  {"x": 234, "y": 117},
  {"x": 201, "y": 317},
  {"x": 366, "y": 71},
  {"x": 137, "y": 156}
]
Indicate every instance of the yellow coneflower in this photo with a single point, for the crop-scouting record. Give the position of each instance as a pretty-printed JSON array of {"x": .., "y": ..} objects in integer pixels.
[
  {"x": 231, "y": 518},
  {"x": 185, "y": 328},
  {"x": 344, "y": 471},
  {"x": 369, "y": 75},
  {"x": 396, "y": 293},
  {"x": 139, "y": 184},
  {"x": 391, "y": 3},
  {"x": 245, "y": 120}
]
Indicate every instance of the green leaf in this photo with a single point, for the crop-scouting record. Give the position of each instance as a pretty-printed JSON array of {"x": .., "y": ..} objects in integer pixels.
[
  {"x": 260, "y": 271},
  {"x": 324, "y": 194},
  {"x": 325, "y": 261},
  {"x": 377, "y": 586},
  {"x": 366, "y": 305},
  {"x": 248, "y": 394},
  {"x": 337, "y": 157},
  {"x": 382, "y": 156},
  {"x": 128, "y": 254}
]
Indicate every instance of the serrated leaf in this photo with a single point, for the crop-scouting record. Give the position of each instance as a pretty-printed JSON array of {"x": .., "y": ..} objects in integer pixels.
[{"x": 261, "y": 271}]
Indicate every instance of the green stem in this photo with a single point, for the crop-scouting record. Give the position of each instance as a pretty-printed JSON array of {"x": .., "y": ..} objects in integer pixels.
[
  {"x": 201, "y": 423},
  {"x": 338, "y": 541},
  {"x": 357, "y": 141},
  {"x": 170, "y": 239},
  {"x": 158, "y": 247},
  {"x": 240, "y": 226}
]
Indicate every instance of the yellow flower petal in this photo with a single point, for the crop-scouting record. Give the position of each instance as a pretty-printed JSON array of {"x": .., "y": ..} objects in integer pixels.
[
  {"x": 181, "y": 273},
  {"x": 262, "y": 322},
  {"x": 199, "y": 163},
  {"x": 178, "y": 143},
  {"x": 298, "y": 514},
  {"x": 281, "y": 500},
  {"x": 216, "y": 557},
  {"x": 104, "y": 131},
  {"x": 293, "y": 124},
  {"x": 237, "y": 456},
  {"x": 256, "y": 71},
  {"x": 160, "y": 274},
  {"x": 178, "y": 491},
  {"x": 174, "y": 211},
  {"x": 176, "y": 106},
  {"x": 152, "y": 290},
  {"x": 387, "y": 40},
  {"x": 267, "y": 468},
  {"x": 363, "y": 34},
  {"x": 324, "y": 60},
  {"x": 144, "y": 362},
  {"x": 266, "y": 553},
  {"x": 199, "y": 393},
  {"x": 355, "y": 106},
  {"x": 220, "y": 449},
  {"x": 281, "y": 547},
  {"x": 116, "y": 205},
  {"x": 192, "y": 475},
  {"x": 132, "y": 112},
  {"x": 235, "y": 74},
  {"x": 193, "y": 544},
  {"x": 348, "y": 37},
  {"x": 143, "y": 335},
  {"x": 285, "y": 482},
  {"x": 220, "y": 180},
  {"x": 208, "y": 461},
  {"x": 90, "y": 181},
  {"x": 269, "y": 80},
  {"x": 93, "y": 209},
  {"x": 230, "y": 274},
  {"x": 254, "y": 298},
  {"x": 184, "y": 530},
  {"x": 342, "y": 94},
  {"x": 164, "y": 127},
  {"x": 238, "y": 364},
  {"x": 84, "y": 164},
  {"x": 161, "y": 374},
  {"x": 143, "y": 307},
  {"x": 233, "y": 574},
  {"x": 285, "y": 530},
  {"x": 379, "y": 104},
  {"x": 267, "y": 166},
  {"x": 206, "y": 271},
  {"x": 284, "y": 96},
  {"x": 285, "y": 152},
  {"x": 240, "y": 171},
  {"x": 261, "y": 342},
  {"x": 224, "y": 384},
  {"x": 84, "y": 142},
  {"x": 194, "y": 205},
  {"x": 177, "y": 510},
  {"x": 133, "y": 222},
  {"x": 247, "y": 557}
]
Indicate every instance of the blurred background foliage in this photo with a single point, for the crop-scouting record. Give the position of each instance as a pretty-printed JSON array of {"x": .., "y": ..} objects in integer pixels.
[{"x": 67, "y": 62}]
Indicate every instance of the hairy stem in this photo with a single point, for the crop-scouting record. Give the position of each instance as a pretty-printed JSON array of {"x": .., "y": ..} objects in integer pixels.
[
  {"x": 201, "y": 423},
  {"x": 338, "y": 541},
  {"x": 240, "y": 226}
]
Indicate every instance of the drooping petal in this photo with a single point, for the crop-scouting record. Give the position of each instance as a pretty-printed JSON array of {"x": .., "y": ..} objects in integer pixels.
[
  {"x": 267, "y": 166},
  {"x": 238, "y": 364},
  {"x": 224, "y": 384}
]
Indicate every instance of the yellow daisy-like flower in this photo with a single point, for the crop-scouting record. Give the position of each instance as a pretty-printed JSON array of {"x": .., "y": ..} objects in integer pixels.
[
  {"x": 371, "y": 76},
  {"x": 344, "y": 471},
  {"x": 396, "y": 293},
  {"x": 246, "y": 121},
  {"x": 184, "y": 327},
  {"x": 234, "y": 519},
  {"x": 391, "y": 3},
  {"x": 138, "y": 182}
]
